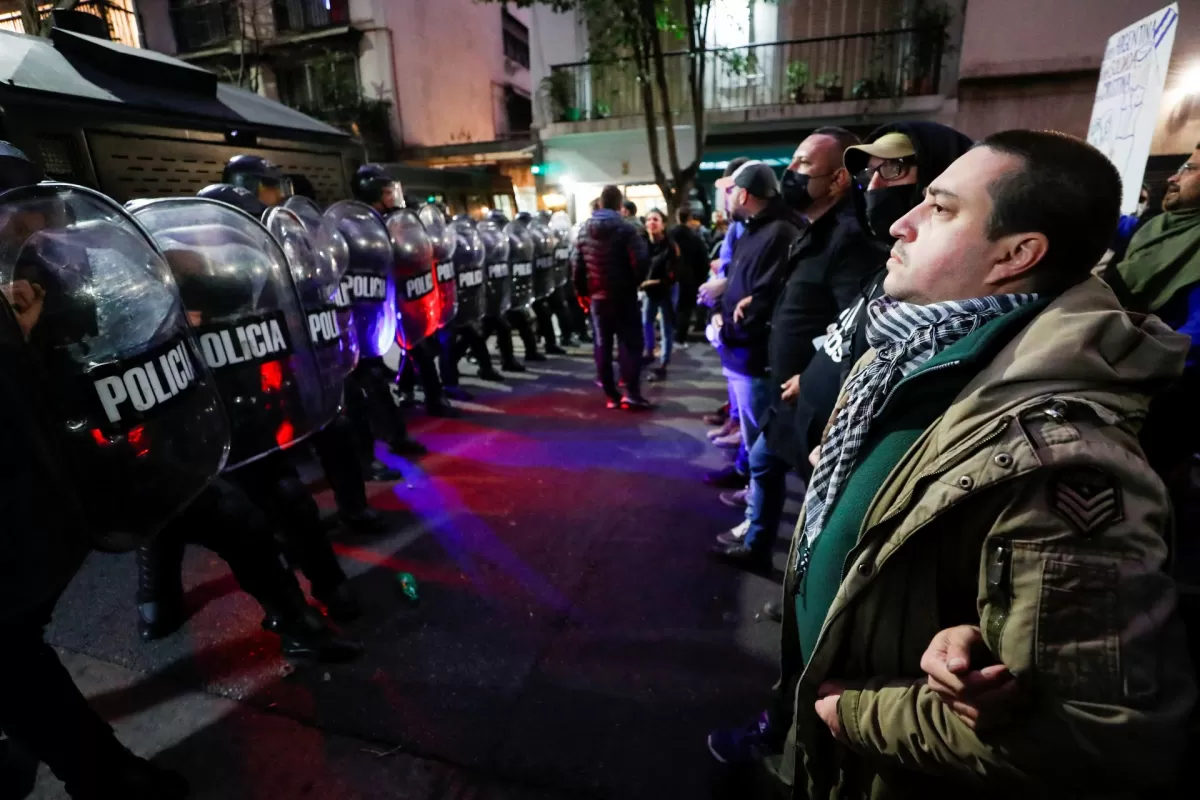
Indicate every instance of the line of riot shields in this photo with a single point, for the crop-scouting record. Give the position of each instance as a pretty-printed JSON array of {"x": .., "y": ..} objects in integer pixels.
[{"x": 173, "y": 339}]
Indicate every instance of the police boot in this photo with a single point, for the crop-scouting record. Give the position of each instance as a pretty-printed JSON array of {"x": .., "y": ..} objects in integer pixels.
[
  {"x": 378, "y": 471},
  {"x": 364, "y": 520},
  {"x": 132, "y": 778},
  {"x": 305, "y": 633},
  {"x": 160, "y": 593},
  {"x": 339, "y": 601},
  {"x": 406, "y": 448},
  {"x": 490, "y": 374}
]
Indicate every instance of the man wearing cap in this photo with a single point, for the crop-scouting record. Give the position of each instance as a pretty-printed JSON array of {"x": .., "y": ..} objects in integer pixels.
[
  {"x": 890, "y": 172},
  {"x": 758, "y": 270},
  {"x": 827, "y": 267}
]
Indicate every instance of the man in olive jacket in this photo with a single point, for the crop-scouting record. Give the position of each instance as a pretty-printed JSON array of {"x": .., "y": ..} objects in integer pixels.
[{"x": 981, "y": 473}]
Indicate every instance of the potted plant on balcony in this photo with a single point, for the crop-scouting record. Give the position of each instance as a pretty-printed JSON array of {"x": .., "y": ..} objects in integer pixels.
[
  {"x": 797, "y": 80},
  {"x": 830, "y": 84},
  {"x": 929, "y": 44},
  {"x": 601, "y": 111},
  {"x": 559, "y": 87}
]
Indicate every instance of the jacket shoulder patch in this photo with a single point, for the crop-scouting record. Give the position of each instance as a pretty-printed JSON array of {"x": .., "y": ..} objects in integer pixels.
[{"x": 1088, "y": 499}]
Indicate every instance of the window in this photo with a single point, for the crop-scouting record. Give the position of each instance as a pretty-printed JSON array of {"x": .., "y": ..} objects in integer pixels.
[
  {"x": 322, "y": 83},
  {"x": 294, "y": 16},
  {"x": 200, "y": 23},
  {"x": 519, "y": 109},
  {"x": 516, "y": 40}
]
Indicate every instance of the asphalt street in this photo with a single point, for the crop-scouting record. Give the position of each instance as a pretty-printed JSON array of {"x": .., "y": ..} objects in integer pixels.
[{"x": 573, "y": 638}]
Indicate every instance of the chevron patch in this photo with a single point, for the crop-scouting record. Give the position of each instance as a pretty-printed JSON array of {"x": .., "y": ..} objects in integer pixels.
[{"x": 1088, "y": 499}]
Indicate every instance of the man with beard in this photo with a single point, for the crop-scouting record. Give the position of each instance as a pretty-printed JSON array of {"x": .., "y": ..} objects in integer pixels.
[
  {"x": 981, "y": 481},
  {"x": 890, "y": 173}
]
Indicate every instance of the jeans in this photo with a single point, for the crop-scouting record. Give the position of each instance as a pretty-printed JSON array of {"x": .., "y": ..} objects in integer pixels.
[
  {"x": 767, "y": 494},
  {"x": 617, "y": 320},
  {"x": 753, "y": 398},
  {"x": 663, "y": 309}
]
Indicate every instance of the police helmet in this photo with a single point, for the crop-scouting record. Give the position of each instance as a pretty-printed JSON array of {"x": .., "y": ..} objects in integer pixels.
[
  {"x": 369, "y": 184},
  {"x": 16, "y": 169},
  {"x": 497, "y": 216},
  {"x": 235, "y": 196},
  {"x": 259, "y": 176}
]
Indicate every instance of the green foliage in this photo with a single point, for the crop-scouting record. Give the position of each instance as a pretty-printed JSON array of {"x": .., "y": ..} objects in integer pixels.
[
  {"x": 828, "y": 80},
  {"x": 797, "y": 76},
  {"x": 738, "y": 63},
  {"x": 559, "y": 88}
]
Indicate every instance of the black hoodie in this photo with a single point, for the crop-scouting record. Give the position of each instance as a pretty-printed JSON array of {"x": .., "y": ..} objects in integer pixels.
[{"x": 937, "y": 146}]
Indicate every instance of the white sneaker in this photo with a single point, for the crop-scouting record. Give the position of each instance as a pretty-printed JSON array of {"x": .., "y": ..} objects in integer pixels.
[{"x": 735, "y": 535}]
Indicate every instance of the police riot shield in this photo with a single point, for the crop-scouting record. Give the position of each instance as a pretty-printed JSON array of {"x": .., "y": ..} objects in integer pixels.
[
  {"x": 544, "y": 242},
  {"x": 105, "y": 355},
  {"x": 238, "y": 290},
  {"x": 520, "y": 263},
  {"x": 497, "y": 290},
  {"x": 367, "y": 282},
  {"x": 416, "y": 291},
  {"x": 313, "y": 257},
  {"x": 470, "y": 258},
  {"x": 444, "y": 240},
  {"x": 560, "y": 223}
]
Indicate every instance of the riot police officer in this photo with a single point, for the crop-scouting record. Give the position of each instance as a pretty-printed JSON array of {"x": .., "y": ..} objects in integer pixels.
[
  {"x": 545, "y": 280},
  {"x": 238, "y": 290},
  {"x": 49, "y": 300},
  {"x": 520, "y": 262},
  {"x": 470, "y": 258},
  {"x": 260, "y": 177},
  {"x": 375, "y": 188}
]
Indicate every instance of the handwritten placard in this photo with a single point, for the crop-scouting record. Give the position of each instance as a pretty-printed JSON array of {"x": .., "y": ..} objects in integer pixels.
[{"x": 1128, "y": 95}]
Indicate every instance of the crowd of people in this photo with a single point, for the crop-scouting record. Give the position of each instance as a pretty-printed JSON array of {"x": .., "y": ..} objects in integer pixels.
[
  {"x": 978, "y": 369},
  {"x": 981, "y": 372}
]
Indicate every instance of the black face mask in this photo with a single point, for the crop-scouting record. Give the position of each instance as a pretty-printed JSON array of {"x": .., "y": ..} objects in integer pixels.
[
  {"x": 886, "y": 205},
  {"x": 794, "y": 188}
]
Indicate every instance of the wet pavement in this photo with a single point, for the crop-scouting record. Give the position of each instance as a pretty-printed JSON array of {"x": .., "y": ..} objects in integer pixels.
[{"x": 573, "y": 639}]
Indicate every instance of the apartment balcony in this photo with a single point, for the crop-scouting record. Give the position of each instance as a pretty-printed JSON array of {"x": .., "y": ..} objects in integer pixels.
[
  {"x": 827, "y": 77},
  {"x": 305, "y": 16},
  {"x": 203, "y": 24}
]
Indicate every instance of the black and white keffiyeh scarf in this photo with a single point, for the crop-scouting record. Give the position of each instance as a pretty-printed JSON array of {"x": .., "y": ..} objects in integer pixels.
[{"x": 904, "y": 336}]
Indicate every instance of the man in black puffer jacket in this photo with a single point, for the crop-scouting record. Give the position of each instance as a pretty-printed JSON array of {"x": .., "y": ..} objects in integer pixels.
[{"x": 609, "y": 263}]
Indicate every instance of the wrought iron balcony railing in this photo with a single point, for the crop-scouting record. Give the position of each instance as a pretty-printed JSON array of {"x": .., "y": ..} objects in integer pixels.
[
  {"x": 202, "y": 23},
  {"x": 297, "y": 16},
  {"x": 885, "y": 64}
]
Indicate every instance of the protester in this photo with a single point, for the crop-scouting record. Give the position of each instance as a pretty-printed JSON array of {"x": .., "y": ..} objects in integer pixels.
[
  {"x": 890, "y": 174},
  {"x": 693, "y": 271},
  {"x": 609, "y": 263},
  {"x": 658, "y": 289},
  {"x": 981, "y": 481},
  {"x": 1161, "y": 275},
  {"x": 756, "y": 275},
  {"x": 828, "y": 266}
]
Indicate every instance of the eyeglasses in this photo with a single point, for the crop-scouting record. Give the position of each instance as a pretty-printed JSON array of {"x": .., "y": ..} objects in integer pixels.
[
  {"x": 891, "y": 170},
  {"x": 1188, "y": 167}
]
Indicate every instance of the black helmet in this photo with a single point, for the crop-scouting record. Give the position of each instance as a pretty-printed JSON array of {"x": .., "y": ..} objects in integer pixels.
[
  {"x": 524, "y": 217},
  {"x": 497, "y": 216},
  {"x": 369, "y": 183},
  {"x": 256, "y": 173},
  {"x": 235, "y": 196},
  {"x": 16, "y": 169}
]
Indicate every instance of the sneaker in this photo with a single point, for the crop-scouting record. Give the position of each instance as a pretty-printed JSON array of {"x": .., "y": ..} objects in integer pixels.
[
  {"x": 727, "y": 478},
  {"x": 731, "y": 441},
  {"x": 730, "y": 425},
  {"x": 748, "y": 745},
  {"x": 658, "y": 375},
  {"x": 734, "y": 535},
  {"x": 635, "y": 403},
  {"x": 718, "y": 417},
  {"x": 739, "y": 555},
  {"x": 738, "y": 499},
  {"x": 681, "y": 345}
]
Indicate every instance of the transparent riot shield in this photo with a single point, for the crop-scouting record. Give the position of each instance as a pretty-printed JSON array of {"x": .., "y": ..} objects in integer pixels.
[
  {"x": 560, "y": 223},
  {"x": 367, "y": 282},
  {"x": 238, "y": 290},
  {"x": 416, "y": 291},
  {"x": 544, "y": 243},
  {"x": 470, "y": 258},
  {"x": 498, "y": 286},
  {"x": 520, "y": 263},
  {"x": 109, "y": 361},
  {"x": 317, "y": 262},
  {"x": 444, "y": 240}
]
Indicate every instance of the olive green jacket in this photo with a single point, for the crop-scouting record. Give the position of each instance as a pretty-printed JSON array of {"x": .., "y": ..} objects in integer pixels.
[{"x": 1028, "y": 509}]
